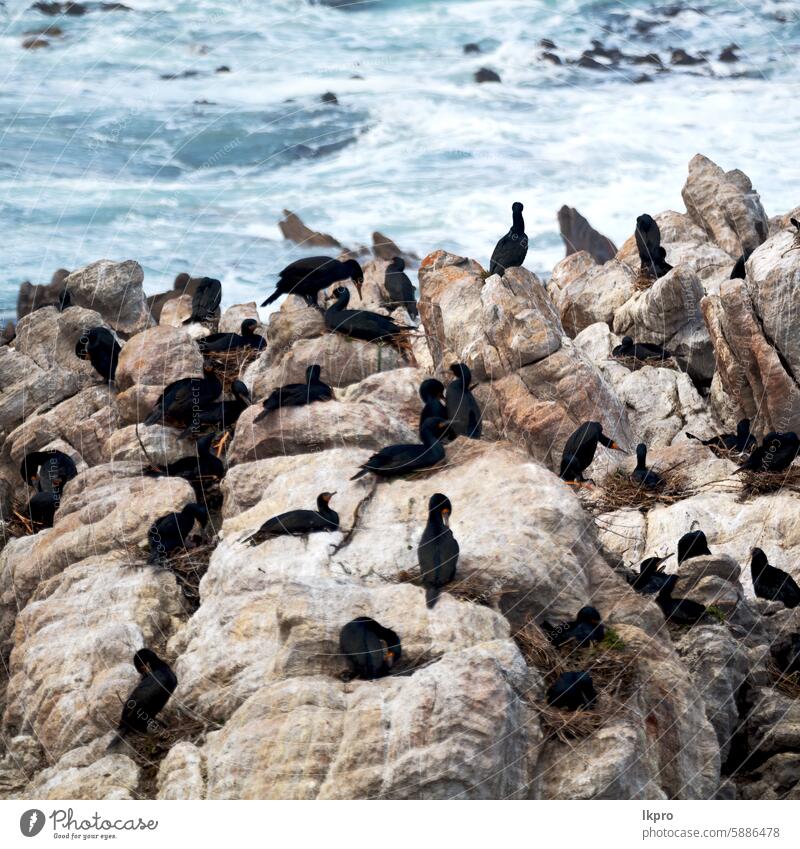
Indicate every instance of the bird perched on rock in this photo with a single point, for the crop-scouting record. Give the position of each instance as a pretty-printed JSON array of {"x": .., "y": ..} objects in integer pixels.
[
  {"x": 511, "y": 250},
  {"x": 362, "y": 324},
  {"x": 399, "y": 289},
  {"x": 48, "y": 470},
  {"x": 370, "y": 649},
  {"x": 692, "y": 544},
  {"x": 580, "y": 449},
  {"x": 217, "y": 343},
  {"x": 220, "y": 414},
  {"x": 181, "y": 399},
  {"x": 641, "y": 474},
  {"x": 42, "y": 508},
  {"x": 171, "y": 532},
  {"x": 787, "y": 654},
  {"x": 298, "y": 523},
  {"x": 586, "y": 629},
  {"x": 772, "y": 583},
  {"x": 681, "y": 611},
  {"x": 462, "y": 408},
  {"x": 202, "y": 469},
  {"x": 308, "y": 277},
  {"x": 99, "y": 346},
  {"x": 775, "y": 454},
  {"x": 437, "y": 552},
  {"x": 397, "y": 460},
  {"x": 640, "y": 350},
  {"x": 148, "y": 698},
  {"x": 651, "y": 577},
  {"x": 431, "y": 391},
  {"x": 298, "y": 394},
  {"x": 205, "y": 300},
  {"x": 652, "y": 255},
  {"x": 572, "y": 691},
  {"x": 741, "y": 441}
]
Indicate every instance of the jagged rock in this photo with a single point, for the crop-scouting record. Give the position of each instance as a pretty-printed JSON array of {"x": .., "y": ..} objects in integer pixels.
[
  {"x": 725, "y": 205},
  {"x": 384, "y": 248},
  {"x": 777, "y": 778},
  {"x": 150, "y": 361},
  {"x": 231, "y": 320},
  {"x": 176, "y": 311},
  {"x": 81, "y": 775},
  {"x": 296, "y": 231},
  {"x": 579, "y": 235},
  {"x": 161, "y": 444},
  {"x": 181, "y": 773},
  {"x": 31, "y": 297},
  {"x": 114, "y": 289}
]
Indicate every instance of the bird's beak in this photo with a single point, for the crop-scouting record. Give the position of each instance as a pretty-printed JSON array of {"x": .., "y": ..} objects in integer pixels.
[
  {"x": 474, "y": 386},
  {"x": 389, "y": 658},
  {"x": 358, "y": 285},
  {"x": 615, "y": 446},
  {"x": 446, "y": 517}
]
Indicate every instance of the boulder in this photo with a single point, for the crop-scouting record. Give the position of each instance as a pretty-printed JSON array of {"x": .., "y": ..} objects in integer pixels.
[
  {"x": 231, "y": 320},
  {"x": 579, "y": 235}
]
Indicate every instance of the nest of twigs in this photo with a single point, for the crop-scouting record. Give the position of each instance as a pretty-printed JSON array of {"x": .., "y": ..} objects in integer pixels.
[
  {"x": 619, "y": 490},
  {"x": 762, "y": 483},
  {"x": 229, "y": 365},
  {"x": 188, "y": 566},
  {"x": 789, "y": 685},
  {"x": 613, "y": 675},
  {"x": 469, "y": 588},
  {"x": 644, "y": 280}
]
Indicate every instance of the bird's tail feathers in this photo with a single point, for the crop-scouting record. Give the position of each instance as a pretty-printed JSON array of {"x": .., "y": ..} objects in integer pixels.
[{"x": 431, "y": 597}]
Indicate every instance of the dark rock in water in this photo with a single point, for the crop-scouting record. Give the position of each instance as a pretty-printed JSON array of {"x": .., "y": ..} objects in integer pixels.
[
  {"x": 681, "y": 57},
  {"x": 53, "y": 9},
  {"x": 223, "y": 69},
  {"x": 356, "y": 77},
  {"x": 295, "y": 230},
  {"x": 588, "y": 61},
  {"x": 644, "y": 27},
  {"x": 646, "y": 59},
  {"x": 579, "y": 235},
  {"x": 486, "y": 75},
  {"x": 329, "y": 97},
  {"x": 472, "y": 47},
  {"x": 643, "y": 78},
  {"x": 180, "y": 76},
  {"x": 552, "y": 57},
  {"x": 548, "y": 44},
  {"x": 32, "y": 297},
  {"x": 36, "y": 43},
  {"x": 613, "y": 54},
  {"x": 384, "y": 248},
  {"x": 51, "y": 31},
  {"x": 729, "y": 54}
]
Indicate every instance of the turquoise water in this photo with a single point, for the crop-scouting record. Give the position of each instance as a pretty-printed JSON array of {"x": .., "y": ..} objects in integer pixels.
[{"x": 102, "y": 158}]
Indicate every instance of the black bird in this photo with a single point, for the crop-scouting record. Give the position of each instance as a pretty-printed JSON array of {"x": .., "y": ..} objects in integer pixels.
[
  {"x": 399, "y": 289},
  {"x": 681, "y": 611},
  {"x": 224, "y": 342},
  {"x": 787, "y": 654},
  {"x": 362, "y": 324},
  {"x": 171, "y": 532},
  {"x": 148, "y": 697},
  {"x": 205, "y": 300},
  {"x": 652, "y": 255},
  {"x": 693, "y": 544},
  {"x": 371, "y": 650},
  {"x": 42, "y": 508},
  {"x": 651, "y": 577},
  {"x": 580, "y": 449},
  {"x": 308, "y": 277},
  {"x": 511, "y": 250},
  {"x": 775, "y": 454},
  {"x": 640, "y": 350},
  {"x": 298, "y": 394},
  {"x": 182, "y": 398},
  {"x": 201, "y": 470},
  {"x": 221, "y": 414},
  {"x": 641, "y": 474},
  {"x": 100, "y": 347},
  {"x": 462, "y": 408},
  {"x": 772, "y": 583},
  {"x": 741, "y": 441},
  {"x": 48, "y": 471},
  {"x": 586, "y": 629},
  {"x": 572, "y": 691},
  {"x": 437, "y": 552},
  {"x": 403, "y": 459},
  {"x": 298, "y": 523},
  {"x": 432, "y": 393}
]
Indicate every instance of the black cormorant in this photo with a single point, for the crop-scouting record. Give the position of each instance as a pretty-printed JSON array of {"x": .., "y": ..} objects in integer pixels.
[
  {"x": 432, "y": 393},
  {"x": 641, "y": 474},
  {"x": 220, "y": 414},
  {"x": 681, "y": 611},
  {"x": 572, "y": 691},
  {"x": 741, "y": 441},
  {"x": 297, "y": 523},
  {"x": 171, "y": 532},
  {"x": 437, "y": 552},
  {"x": 586, "y": 629},
  {"x": 640, "y": 350},
  {"x": 399, "y": 289},
  {"x": 580, "y": 449},
  {"x": 205, "y": 300},
  {"x": 652, "y": 255},
  {"x": 651, "y": 577},
  {"x": 362, "y": 324},
  {"x": 772, "y": 583},
  {"x": 308, "y": 277},
  {"x": 692, "y": 544},
  {"x": 182, "y": 399},
  {"x": 775, "y": 454},
  {"x": 100, "y": 347},
  {"x": 48, "y": 470},
  {"x": 462, "y": 408},
  {"x": 298, "y": 394},
  {"x": 403, "y": 459},
  {"x": 511, "y": 250},
  {"x": 370, "y": 649},
  {"x": 223, "y": 342}
]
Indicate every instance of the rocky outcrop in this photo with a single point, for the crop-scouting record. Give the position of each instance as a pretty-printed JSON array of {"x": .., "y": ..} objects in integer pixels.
[{"x": 579, "y": 235}]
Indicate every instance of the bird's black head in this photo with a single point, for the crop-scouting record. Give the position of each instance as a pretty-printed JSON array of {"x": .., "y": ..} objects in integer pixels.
[
  {"x": 517, "y": 207},
  {"x": 431, "y": 388},
  {"x": 627, "y": 342},
  {"x": 795, "y": 223},
  {"x": 181, "y": 281},
  {"x": 240, "y": 391},
  {"x": 198, "y": 511},
  {"x": 644, "y": 222},
  {"x": 211, "y": 366},
  {"x": 641, "y": 452},
  {"x": 249, "y": 326},
  {"x": 323, "y": 499},
  {"x": 440, "y": 505},
  {"x": 204, "y": 444},
  {"x": 398, "y": 263},
  {"x": 692, "y": 544},
  {"x": 589, "y": 616},
  {"x": 340, "y": 293},
  {"x": 743, "y": 428},
  {"x": 144, "y": 660},
  {"x": 759, "y": 561},
  {"x": 462, "y": 373},
  {"x": 650, "y": 565},
  {"x": 313, "y": 372},
  {"x": 356, "y": 274}
]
